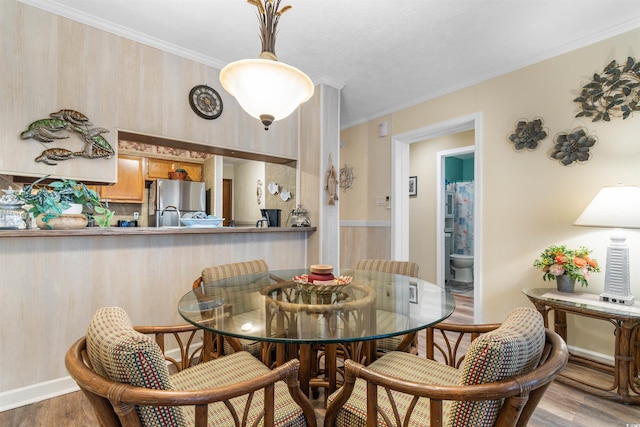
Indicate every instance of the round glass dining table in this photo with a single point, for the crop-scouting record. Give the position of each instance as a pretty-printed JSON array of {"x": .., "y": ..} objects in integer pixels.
[{"x": 295, "y": 319}]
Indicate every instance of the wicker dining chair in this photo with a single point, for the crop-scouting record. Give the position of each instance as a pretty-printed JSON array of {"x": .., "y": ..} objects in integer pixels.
[
  {"x": 499, "y": 381},
  {"x": 408, "y": 343},
  {"x": 123, "y": 372},
  {"x": 223, "y": 276}
]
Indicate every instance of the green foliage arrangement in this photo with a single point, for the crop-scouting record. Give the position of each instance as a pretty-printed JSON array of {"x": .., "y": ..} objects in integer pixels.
[{"x": 52, "y": 199}]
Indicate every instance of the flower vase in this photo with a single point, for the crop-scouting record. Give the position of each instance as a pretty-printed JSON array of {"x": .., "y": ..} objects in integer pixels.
[{"x": 565, "y": 283}]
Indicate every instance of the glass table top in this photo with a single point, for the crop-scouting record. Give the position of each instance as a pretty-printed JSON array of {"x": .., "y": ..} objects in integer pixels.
[{"x": 271, "y": 306}]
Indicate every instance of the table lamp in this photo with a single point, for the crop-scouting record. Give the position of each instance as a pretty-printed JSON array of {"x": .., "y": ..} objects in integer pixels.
[{"x": 617, "y": 207}]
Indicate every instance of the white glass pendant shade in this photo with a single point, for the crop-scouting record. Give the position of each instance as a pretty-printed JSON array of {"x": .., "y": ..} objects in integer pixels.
[{"x": 268, "y": 90}]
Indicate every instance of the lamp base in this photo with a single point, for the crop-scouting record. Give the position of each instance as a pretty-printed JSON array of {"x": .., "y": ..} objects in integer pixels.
[{"x": 617, "y": 299}]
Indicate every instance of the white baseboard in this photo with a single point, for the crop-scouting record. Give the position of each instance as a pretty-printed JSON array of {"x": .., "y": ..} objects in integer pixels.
[
  {"x": 33, "y": 393},
  {"x": 22, "y": 396},
  {"x": 599, "y": 357}
]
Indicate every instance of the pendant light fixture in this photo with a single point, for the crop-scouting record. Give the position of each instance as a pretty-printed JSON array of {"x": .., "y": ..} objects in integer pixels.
[{"x": 265, "y": 88}]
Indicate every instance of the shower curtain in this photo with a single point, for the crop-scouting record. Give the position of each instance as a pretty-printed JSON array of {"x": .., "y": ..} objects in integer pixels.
[{"x": 463, "y": 218}]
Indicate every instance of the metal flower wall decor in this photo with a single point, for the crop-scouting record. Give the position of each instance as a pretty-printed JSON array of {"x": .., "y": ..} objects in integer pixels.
[
  {"x": 573, "y": 147},
  {"x": 613, "y": 93},
  {"x": 528, "y": 134}
]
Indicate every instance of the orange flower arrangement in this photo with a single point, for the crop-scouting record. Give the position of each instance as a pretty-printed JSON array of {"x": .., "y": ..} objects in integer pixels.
[{"x": 575, "y": 263}]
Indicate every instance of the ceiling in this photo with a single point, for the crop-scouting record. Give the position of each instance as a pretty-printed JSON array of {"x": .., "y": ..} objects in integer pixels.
[{"x": 385, "y": 55}]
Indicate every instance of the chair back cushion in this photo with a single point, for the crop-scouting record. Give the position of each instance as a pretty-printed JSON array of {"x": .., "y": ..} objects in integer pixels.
[
  {"x": 386, "y": 292},
  {"x": 406, "y": 268},
  {"x": 120, "y": 353},
  {"x": 235, "y": 291},
  {"x": 225, "y": 271},
  {"x": 512, "y": 349}
]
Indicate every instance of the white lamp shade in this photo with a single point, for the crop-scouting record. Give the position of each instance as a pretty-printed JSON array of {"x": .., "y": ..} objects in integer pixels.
[
  {"x": 616, "y": 206},
  {"x": 266, "y": 87}
]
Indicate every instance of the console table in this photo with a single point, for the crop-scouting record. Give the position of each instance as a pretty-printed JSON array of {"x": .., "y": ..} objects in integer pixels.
[{"x": 625, "y": 386}]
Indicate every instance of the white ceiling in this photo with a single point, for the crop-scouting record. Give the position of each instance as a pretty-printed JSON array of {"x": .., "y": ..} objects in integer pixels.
[{"x": 384, "y": 54}]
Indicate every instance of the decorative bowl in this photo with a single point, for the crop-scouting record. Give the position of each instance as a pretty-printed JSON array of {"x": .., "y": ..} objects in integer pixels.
[
  {"x": 321, "y": 268},
  {"x": 202, "y": 223},
  {"x": 177, "y": 175},
  {"x": 322, "y": 288}
]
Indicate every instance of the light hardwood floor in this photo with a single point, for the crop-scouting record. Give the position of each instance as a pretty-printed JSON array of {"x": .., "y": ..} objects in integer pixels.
[{"x": 561, "y": 405}]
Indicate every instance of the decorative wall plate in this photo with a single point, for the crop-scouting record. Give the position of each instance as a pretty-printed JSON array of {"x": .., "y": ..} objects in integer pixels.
[
  {"x": 285, "y": 195},
  {"x": 273, "y": 188},
  {"x": 573, "y": 147},
  {"x": 527, "y": 135}
]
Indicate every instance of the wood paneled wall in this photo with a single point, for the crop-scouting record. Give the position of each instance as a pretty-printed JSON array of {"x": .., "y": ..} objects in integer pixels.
[
  {"x": 52, "y": 286},
  {"x": 358, "y": 243},
  {"x": 51, "y": 63}
]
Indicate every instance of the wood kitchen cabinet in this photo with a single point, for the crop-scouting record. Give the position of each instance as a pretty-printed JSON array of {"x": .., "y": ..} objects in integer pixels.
[
  {"x": 130, "y": 185},
  {"x": 160, "y": 168}
]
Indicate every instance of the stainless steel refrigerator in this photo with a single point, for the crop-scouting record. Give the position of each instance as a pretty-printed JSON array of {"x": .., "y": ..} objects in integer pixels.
[{"x": 169, "y": 198}]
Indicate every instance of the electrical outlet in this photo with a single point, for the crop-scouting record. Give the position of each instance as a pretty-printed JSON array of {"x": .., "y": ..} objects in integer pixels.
[
  {"x": 379, "y": 201},
  {"x": 136, "y": 215}
]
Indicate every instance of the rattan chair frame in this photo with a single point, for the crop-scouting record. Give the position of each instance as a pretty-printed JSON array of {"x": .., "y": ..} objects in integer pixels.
[
  {"x": 521, "y": 393},
  {"x": 114, "y": 402}
]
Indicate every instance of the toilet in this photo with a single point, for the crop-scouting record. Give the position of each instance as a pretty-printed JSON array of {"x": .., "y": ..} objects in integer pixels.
[{"x": 462, "y": 266}]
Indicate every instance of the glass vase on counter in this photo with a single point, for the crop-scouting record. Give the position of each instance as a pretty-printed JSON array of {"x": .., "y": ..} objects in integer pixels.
[{"x": 12, "y": 214}]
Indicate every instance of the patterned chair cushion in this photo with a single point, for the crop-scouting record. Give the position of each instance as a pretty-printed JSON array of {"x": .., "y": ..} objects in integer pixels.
[
  {"x": 405, "y": 268},
  {"x": 252, "y": 347},
  {"x": 121, "y": 354},
  {"x": 236, "y": 292},
  {"x": 233, "y": 290},
  {"x": 237, "y": 367},
  {"x": 225, "y": 271},
  {"x": 512, "y": 349},
  {"x": 404, "y": 366}
]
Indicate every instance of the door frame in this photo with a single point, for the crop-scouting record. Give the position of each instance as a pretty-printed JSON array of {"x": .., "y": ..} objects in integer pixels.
[{"x": 400, "y": 153}]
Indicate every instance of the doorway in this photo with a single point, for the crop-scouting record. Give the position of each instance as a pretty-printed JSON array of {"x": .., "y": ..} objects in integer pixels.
[
  {"x": 455, "y": 175},
  {"x": 400, "y": 196}
]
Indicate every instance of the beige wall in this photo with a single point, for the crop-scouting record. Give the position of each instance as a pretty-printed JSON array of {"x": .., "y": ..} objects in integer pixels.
[
  {"x": 365, "y": 228},
  {"x": 245, "y": 185},
  {"x": 53, "y": 63},
  {"x": 368, "y": 154},
  {"x": 530, "y": 201}
]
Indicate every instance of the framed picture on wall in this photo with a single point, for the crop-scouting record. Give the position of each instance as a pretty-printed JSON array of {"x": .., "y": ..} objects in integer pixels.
[{"x": 413, "y": 186}]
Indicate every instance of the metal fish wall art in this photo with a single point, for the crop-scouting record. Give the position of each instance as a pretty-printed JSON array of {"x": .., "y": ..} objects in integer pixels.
[
  {"x": 51, "y": 155},
  {"x": 48, "y": 130},
  {"x": 45, "y": 130}
]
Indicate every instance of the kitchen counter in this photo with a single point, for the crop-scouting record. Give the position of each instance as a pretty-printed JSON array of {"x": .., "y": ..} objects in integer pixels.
[{"x": 130, "y": 231}]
